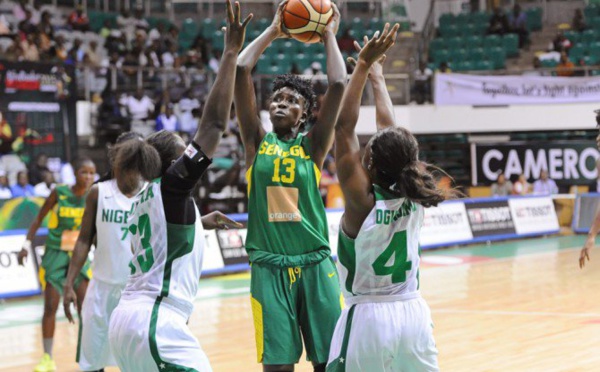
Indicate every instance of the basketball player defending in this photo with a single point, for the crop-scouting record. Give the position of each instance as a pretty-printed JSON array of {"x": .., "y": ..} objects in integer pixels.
[
  {"x": 387, "y": 326},
  {"x": 148, "y": 329}
]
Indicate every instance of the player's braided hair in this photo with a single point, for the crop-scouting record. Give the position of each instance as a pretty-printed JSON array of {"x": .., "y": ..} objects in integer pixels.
[
  {"x": 166, "y": 143},
  {"x": 302, "y": 86},
  {"x": 394, "y": 154},
  {"x": 137, "y": 155}
]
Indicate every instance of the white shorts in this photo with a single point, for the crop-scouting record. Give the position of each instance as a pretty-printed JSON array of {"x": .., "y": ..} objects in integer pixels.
[
  {"x": 383, "y": 337},
  {"x": 151, "y": 335},
  {"x": 100, "y": 300}
]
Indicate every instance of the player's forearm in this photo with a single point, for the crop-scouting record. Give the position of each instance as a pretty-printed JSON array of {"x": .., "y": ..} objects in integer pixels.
[
  {"x": 351, "y": 102},
  {"x": 250, "y": 55},
  {"x": 336, "y": 66},
  {"x": 80, "y": 254},
  {"x": 384, "y": 108},
  {"x": 595, "y": 228}
]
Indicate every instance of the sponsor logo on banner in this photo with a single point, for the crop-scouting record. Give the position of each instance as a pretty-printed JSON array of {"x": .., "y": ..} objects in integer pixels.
[
  {"x": 533, "y": 215},
  {"x": 567, "y": 162},
  {"x": 457, "y": 89},
  {"x": 490, "y": 218},
  {"x": 16, "y": 279},
  {"x": 233, "y": 247},
  {"x": 445, "y": 223}
]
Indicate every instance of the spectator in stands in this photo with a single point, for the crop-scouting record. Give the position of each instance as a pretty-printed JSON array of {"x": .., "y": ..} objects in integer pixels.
[
  {"x": 215, "y": 60},
  {"x": 444, "y": 68},
  {"x": 521, "y": 187},
  {"x": 26, "y": 26},
  {"x": 78, "y": 20},
  {"x": 422, "y": 87},
  {"x": 22, "y": 188},
  {"x": 77, "y": 50},
  {"x": 44, "y": 188},
  {"x": 36, "y": 13},
  {"x": 126, "y": 23},
  {"x": 561, "y": 43},
  {"x": 4, "y": 26},
  {"x": 139, "y": 106},
  {"x": 106, "y": 29},
  {"x": 186, "y": 105},
  {"x": 59, "y": 50},
  {"x": 30, "y": 49},
  {"x": 37, "y": 169},
  {"x": 498, "y": 23},
  {"x": 517, "y": 23},
  {"x": 544, "y": 186},
  {"x": 314, "y": 69},
  {"x": 20, "y": 10},
  {"x": 93, "y": 55},
  {"x": 170, "y": 58},
  {"x": 45, "y": 25},
  {"x": 346, "y": 42},
  {"x": 167, "y": 120},
  {"x": 14, "y": 52},
  {"x": 140, "y": 23},
  {"x": 565, "y": 67},
  {"x": 172, "y": 37},
  {"x": 502, "y": 187},
  {"x": 156, "y": 34},
  {"x": 5, "y": 192},
  {"x": 581, "y": 65},
  {"x": 536, "y": 66},
  {"x": 579, "y": 23}
]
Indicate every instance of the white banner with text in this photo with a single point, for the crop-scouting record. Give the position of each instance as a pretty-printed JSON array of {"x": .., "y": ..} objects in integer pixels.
[{"x": 475, "y": 90}]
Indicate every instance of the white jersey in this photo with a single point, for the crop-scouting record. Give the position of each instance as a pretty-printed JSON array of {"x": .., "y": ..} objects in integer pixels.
[
  {"x": 167, "y": 258},
  {"x": 113, "y": 249},
  {"x": 384, "y": 258}
]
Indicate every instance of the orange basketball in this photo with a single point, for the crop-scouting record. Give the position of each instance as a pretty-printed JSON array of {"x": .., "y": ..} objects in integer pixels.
[{"x": 305, "y": 20}]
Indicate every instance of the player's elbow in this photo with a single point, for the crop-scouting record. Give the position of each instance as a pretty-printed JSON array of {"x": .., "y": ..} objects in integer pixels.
[{"x": 243, "y": 69}]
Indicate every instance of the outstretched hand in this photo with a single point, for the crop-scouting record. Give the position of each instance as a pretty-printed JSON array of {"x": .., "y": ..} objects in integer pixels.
[
  {"x": 334, "y": 23},
  {"x": 376, "y": 69},
  {"x": 235, "y": 32},
  {"x": 69, "y": 297},
  {"x": 217, "y": 220},
  {"x": 277, "y": 23},
  {"x": 374, "y": 49},
  {"x": 585, "y": 253}
]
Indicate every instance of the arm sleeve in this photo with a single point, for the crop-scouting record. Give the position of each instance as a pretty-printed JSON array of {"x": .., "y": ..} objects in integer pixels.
[{"x": 179, "y": 182}]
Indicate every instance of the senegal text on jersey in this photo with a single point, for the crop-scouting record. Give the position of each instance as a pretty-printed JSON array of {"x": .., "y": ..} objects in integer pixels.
[
  {"x": 274, "y": 149},
  {"x": 70, "y": 212}
]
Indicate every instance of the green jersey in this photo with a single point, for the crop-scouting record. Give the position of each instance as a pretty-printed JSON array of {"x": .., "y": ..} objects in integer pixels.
[
  {"x": 65, "y": 220},
  {"x": 287, "y": 225}
]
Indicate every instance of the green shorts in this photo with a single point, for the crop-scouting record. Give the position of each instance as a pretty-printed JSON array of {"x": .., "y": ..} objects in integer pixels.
[
  {"x": 291, "y": 304},
  {"x": 55, "y": 264}
]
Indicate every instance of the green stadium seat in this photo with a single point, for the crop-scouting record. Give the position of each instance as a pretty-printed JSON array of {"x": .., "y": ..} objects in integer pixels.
[
  {"x": 262, "y": 24},
  {"x": 573, "y": 36},
  {"x": 208, "y": 26},
  {"x": 321, "y": 58},
  {"x": 474, "y": 41},
  {"x": 446, "y": 19},
  {"x": 534, "y": 19},
  {"x": 589, "y": 60},
  {"x": 275, "y": 70},
  {"x": 483, "y": 65},
  {"x": 450, "y": 31},
  {"x": 189, "y": 29},
  {"x": 468, "y": 30},
  {"x": 218, "y": 42},
  {"x": 357, "y": 24},
  {"x": 282, "y": 60},
  {"x": 577, "y": 52},
  {"x": 376, "y": 24},
  {"x": 264, "y": 64},
  {"x": 511, "y": 45},
  {"x": 591, "y": 11},
  {"x": 440, "y": 55},
  {"x": 476, "y": 54},
  {"x": 549, "y": 63},
  {"x": 458, "y": 55},
  {"x": 497, "y": 56},
  {"x": 589, "y": 36},
  {"x": 437, "y": 44},
  {"x": 464, "y": 66},
  {"x": 492, "y": 41},
  {"x": 461, "y": 19},
  {"x": 302, "y": 61},
  {"x": 455, "y": 43}
]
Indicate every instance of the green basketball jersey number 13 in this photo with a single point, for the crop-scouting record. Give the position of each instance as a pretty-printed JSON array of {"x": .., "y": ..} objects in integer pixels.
[{"x": 286, "y": 215}]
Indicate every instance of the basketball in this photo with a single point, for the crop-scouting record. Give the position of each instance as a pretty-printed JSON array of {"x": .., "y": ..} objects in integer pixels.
[{"x": 305, "y": 20}]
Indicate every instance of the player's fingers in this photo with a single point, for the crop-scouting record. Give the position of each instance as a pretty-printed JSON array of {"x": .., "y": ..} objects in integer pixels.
[
  {"x": 386, "y": 29},
  {"x": 238, "y": 12},
  {"x": 393, "y": 33},
  {"x": 247, "y": 20},
  {"x": 357, "y": 46},
  {"x": 382, "y": 60},
  {"x": 351, "y": 61},
  {"x": 230, "y": 17},
  {"x": 225, "y": 221},
  {"x": 587, "y": 255},
  {"x": 282, "y": 6},
  {"x": 365, "y": 40}
]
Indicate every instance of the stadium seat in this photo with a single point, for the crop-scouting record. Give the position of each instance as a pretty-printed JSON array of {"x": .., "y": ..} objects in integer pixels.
[
  {"x": 455, "y": 43},
  {"x": 262, "y": 24},
  {"x": 573, "y": 36},
  {"x": 534, "y": 19},
  {"x": 483, "y": 65},
  {"x": 464, "y": 66},
  {"x": 450, "y": 31},
  {"x": 458, "y": 55},
  {"x": 437, "y": 44},
  {"x": 446, "y": 19},
  {"x": 577, "y": 52},
  {"x": 264, "y": 64},
  {"x": 189, "y": 29},
  {"x": 275, "y": 70},
  {"x": 498, "y": 58},
  {"x": 511, "y": 45},
  {"x": 588, "y": 36},
  {"x": 302, "y": 61},
  {"x": 492, "y": 41},
  {"x": 591, "y": 11},
  {"x": 440, "y": 55},
  {"x": 218, "y": 42},
  {"x": 474, "y": 41},
  {"x": 475, "y": 54},
  {"x": 549, "y": 63},
  {"x": 376, "y": 24}
]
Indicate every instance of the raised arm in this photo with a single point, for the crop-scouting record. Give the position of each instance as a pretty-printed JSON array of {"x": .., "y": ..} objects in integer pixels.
[
  {"x": 384, "y": 108},
  {"x": 82, "y": 249},
  {"x": 251, "y": 128},
  {"x": 46, "y": 207},
  {"x": 322, "y": 132},
  {"x": 218, "y": 104},
  {"x": 354, "y": 179}
]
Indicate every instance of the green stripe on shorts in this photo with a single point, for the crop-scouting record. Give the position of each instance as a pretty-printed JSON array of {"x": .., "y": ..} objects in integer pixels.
[
  {"x": 161, "y": 364},
  {"x": 339, "y": 364}
]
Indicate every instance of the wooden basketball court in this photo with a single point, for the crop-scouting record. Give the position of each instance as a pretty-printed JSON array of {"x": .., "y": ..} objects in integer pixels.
[{"x": 511, "y": 306}]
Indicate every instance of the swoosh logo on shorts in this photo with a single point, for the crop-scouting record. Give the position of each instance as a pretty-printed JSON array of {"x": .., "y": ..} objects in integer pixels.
[{"x": 331, "y": 275}]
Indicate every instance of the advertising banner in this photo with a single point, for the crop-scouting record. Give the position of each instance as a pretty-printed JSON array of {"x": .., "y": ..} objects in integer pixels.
[
  {"x": 232, "y": 243},
  {"x": 533, "y": 215},
  {"x": 567, "y": 162},
  {"x": 476, "y": 90},
  {"x": 586, "y": 206},
  {"x": 16, "y": 280},
  {"x": 445, "y": 224},
  {"x": 490, "y": 218},
  {"x": 37, "y": 109}
]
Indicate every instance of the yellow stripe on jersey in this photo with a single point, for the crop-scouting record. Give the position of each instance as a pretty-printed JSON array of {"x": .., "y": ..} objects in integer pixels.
[
  {"x": 317, "y": 174},
  {"x": 249, "y": 179},
  {"x": 257, "y": 314}
]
